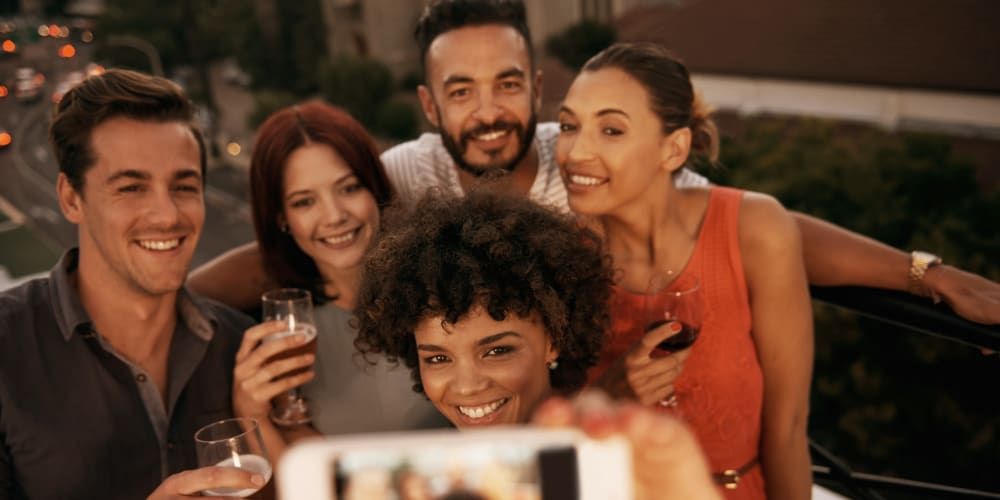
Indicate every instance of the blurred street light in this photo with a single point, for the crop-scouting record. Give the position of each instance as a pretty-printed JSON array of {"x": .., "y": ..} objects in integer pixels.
[{"x": 67, "y": 51}]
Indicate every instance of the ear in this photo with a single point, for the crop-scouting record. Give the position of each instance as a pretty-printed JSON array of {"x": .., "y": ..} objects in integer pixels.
[
  {"x": 675, "y": 149},
  {"x": 551, "y": 352},
  {"x": 537, "y": 89},
  {"x": 428, "y": 105},
  {"x": 70, "y": 200}
]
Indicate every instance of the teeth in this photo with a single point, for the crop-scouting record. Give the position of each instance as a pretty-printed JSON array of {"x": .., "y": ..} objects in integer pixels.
[
  {"x": 333, "y": 240},
  {"x": 492, "y": 135},
  {"x": 481, "y": 411},
  {"x": 585, "y": 180},
  {"x": 159, "y": 245}
]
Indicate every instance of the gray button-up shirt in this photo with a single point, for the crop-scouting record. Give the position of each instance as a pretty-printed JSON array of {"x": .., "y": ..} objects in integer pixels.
[{"x": 78, "y": 420}]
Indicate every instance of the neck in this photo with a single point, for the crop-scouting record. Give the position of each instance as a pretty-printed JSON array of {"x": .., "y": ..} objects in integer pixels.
[
  {"x": 656, "y": 232},
  {"x": 139, "y": 326},
  {"x": 343, "y": 284}
]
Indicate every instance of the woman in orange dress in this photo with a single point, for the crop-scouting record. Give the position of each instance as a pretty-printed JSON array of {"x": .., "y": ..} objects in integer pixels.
[{"x": 629, "y": 123}]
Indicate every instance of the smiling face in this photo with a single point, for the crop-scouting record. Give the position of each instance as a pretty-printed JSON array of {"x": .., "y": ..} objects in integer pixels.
[
  {"x": 482, "y": 96},
  {"x": 329, "y": 213},
  {"x": 141, "y": 208},
  {"x": 480, "y": 371},
  {"x": 611, "y": 149}
]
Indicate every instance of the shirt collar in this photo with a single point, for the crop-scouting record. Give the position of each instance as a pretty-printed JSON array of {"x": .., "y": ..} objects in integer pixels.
[{"x": 73, "y": 318}]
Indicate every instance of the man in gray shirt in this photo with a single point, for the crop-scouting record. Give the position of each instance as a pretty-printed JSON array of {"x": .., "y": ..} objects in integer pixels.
[{"x": 109, "y": 366}]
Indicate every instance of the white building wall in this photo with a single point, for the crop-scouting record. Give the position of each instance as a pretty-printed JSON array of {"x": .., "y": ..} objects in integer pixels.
[{"x": 891, "y": 108}]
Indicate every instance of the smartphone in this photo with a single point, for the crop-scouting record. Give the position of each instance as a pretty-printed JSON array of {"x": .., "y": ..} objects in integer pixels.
[{"x": 503, "y": 463}]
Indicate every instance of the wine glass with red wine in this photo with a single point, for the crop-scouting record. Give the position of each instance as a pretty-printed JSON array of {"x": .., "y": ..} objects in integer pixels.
[{"x": 675, "y": 304}]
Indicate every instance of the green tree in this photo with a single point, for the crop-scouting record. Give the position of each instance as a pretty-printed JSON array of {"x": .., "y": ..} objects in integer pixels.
[
  {"x": 580, "y": 42},
  {"x": 358, "y": 84}
]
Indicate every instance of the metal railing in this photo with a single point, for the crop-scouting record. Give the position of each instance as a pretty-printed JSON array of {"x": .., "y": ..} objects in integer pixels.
[{"x": 914, "y": 314}]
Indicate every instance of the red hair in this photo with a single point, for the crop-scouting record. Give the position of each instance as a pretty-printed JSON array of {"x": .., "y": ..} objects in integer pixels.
[{"x": 281, "y": 134}]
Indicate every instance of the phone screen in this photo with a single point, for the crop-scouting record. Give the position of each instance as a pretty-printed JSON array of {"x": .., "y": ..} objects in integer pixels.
[{"x": 466, "y": 471}]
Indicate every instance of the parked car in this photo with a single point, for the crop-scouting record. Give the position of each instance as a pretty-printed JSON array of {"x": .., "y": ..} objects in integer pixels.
[{"x": 28, "y": 84}]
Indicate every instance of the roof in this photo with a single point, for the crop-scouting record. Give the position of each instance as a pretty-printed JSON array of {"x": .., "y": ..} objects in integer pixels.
[{"x": 932, "y": 44}]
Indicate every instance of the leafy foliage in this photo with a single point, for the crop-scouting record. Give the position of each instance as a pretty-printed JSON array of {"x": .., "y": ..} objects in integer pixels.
[
  {"x": 886, "y": 400},
  {"x": 358, "y": 84},
  {"x": 397, "y": 119},
  {"x": 579, "y": 42},
  {"x": 267, "y": 102}
]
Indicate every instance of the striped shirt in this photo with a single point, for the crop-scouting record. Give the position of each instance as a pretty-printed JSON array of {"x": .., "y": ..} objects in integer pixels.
[{"x": 419, "y": 165}]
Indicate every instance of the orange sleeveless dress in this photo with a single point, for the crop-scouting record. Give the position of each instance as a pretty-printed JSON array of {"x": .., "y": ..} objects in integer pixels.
[{"x": 721, "y": 389}]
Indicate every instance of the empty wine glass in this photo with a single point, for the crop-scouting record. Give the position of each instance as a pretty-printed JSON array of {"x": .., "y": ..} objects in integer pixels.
[
  {"x": 293, "y": 306},
  {"x": 677, "y": 305},
  {"x": 234, "y": 442}
]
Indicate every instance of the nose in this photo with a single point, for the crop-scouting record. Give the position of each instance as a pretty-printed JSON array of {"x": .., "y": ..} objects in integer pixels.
[
  {"x": 577, "y": 148},
  {"x": 334, "y": 212},
  {"x": 468, "y": 380},
  {"x": 488, "y": 111},
  {"x": 162, "y": 211}
]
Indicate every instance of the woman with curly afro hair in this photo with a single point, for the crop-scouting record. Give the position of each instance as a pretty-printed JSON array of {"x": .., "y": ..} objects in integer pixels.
[{"x": 492, "y": 301}]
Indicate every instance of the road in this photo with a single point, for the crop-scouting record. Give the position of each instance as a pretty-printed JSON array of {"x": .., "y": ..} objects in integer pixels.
[{"x": 28, "y": 169}]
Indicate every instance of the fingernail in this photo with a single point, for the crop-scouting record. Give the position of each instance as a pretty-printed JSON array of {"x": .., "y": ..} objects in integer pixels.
[{"x": 257, "y": 479}]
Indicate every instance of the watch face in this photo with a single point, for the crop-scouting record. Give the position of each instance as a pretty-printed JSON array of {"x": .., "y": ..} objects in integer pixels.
[{"x": 924, "y": 259}]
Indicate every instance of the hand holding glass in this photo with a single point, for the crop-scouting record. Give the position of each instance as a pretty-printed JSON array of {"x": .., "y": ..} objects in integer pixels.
[
  {"x": 234, "y": 442},
  {"x": 678, "y": 305},
  {"x": 293, "y": 306}
]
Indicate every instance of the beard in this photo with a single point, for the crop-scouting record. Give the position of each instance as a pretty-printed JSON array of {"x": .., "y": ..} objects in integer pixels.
[{"x": 456, "y": 149}]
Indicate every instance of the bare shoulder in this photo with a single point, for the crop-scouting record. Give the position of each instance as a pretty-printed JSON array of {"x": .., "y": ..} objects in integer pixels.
[{"x": 765, "y": 226}]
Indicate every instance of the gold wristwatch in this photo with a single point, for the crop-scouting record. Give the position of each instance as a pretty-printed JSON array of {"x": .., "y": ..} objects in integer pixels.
[{"x": 919, "y": 263}]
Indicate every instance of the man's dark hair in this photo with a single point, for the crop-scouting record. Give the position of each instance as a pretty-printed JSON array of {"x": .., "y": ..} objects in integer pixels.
[
  {"x": 442, "y": 16},
  {"x": 445, "y": 256},
  {"x": 116, "y": 93}
]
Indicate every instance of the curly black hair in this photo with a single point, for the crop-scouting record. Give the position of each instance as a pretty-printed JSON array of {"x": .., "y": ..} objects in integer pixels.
[{"x": 445, "y": 255}]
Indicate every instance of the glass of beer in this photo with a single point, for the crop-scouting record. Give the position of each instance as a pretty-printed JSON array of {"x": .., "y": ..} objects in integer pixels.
[
  {"x": 234, "y": 442},
  {"x": 293, "y": 306}
]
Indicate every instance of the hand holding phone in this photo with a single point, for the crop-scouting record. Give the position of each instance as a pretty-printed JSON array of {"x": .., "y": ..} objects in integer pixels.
[{"x": 667, "y": 462}]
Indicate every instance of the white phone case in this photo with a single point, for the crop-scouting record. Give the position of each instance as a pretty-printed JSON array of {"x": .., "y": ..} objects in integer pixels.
[{"x": 603, "y": 468}]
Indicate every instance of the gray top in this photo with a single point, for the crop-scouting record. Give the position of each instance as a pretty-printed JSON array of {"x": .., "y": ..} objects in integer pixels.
[
  {"x": 78, "y": 419},
  {"x": 352, "y": 396}
]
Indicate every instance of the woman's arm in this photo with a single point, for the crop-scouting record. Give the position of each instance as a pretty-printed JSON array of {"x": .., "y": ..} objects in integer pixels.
[
  {"x": 835, "y": 256},
  {"x": 783, "y": 334},
  {"x": 235, "y": 278}
]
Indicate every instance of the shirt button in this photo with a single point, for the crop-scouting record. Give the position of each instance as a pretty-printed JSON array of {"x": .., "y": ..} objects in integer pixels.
[{"x": 140, "y": 377}]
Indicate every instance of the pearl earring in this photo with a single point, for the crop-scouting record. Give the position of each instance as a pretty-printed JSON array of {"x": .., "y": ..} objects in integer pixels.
[{"x": 552, "y": 364}]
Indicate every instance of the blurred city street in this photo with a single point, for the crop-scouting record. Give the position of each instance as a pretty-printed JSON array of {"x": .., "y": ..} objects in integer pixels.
[{"x": 33, "y": 232}]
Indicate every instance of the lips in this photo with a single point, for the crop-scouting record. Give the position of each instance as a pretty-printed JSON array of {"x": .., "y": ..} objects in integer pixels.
[
  {"x": 491, "y": 136},
  {"x": 481, "y": 414},
  {"x": 160, "y": 245},
  {"x": 341, "y": 238}
]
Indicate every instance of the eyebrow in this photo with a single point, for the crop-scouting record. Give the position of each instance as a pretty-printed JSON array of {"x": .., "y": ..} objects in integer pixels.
[
  {"x": 507, "y": 73},
  {"x": 603, "y": 112},
  {"x": 145, "y": 176},
  {"x": 342, "y": 179},
  {"x": 482, "y": 342},
  {"x": 129, "y": 174}
]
